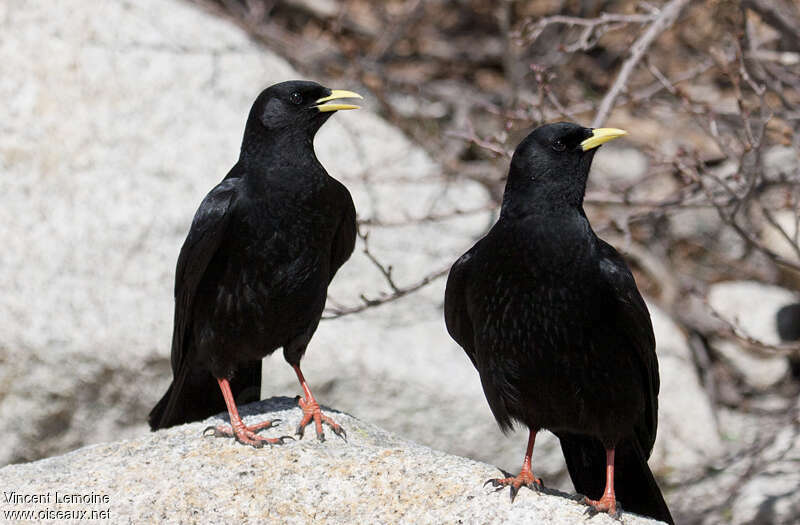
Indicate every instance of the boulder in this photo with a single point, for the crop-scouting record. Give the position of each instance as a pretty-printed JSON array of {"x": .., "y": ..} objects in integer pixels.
[
  {"x": 688, "y": 437},
  {"x": 755, "y": 482},
  {"x": 178, "y": 476},
  {"x": 769, "y": 493},
  {"x": 752, "y": 307}
]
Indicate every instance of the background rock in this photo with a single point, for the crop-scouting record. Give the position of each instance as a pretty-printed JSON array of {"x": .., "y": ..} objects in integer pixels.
[
  {"x": 177, "y": 476},
  {"x": 687, "y": 430},
  {"x": 758, "y": 370},
  {"x": 756, "y": 481},
  {"x": 752, "y": 307},
  {"x": 770, "y": 495}
]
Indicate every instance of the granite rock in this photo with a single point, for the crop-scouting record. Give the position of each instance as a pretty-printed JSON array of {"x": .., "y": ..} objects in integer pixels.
[
  {"x": 688, "y": 437},
  {"x": 178, "y": 476},
  {"x": 751, "y": 307}
]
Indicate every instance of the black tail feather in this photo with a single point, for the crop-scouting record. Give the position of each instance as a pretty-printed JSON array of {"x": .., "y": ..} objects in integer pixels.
[
  {"x": 634, "y": 484},
  {"x": 194, "y": 395}
]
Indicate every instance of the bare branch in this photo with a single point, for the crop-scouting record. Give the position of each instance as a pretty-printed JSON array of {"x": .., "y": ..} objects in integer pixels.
[
  {"x": 669, "y": 13},
  {"x": 592, "y": 27},
  {"x": 777, "y": 16},
  {"x": 732, "y": 329},
  {"x": 398, "y": 292}
]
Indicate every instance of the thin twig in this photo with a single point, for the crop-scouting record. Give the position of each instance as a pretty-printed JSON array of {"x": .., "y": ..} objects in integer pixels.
[
  {"x": 669, "y": 13},
  {"x": 399, "y": 291}
]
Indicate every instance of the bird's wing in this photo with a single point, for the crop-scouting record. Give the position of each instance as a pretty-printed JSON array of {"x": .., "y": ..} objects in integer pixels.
[
  {"x": 456, "y": 312},
  {"x": 344, "y": 240},
  {"x": 632, "y": 319},
  {"x": 205, "y": 235}
]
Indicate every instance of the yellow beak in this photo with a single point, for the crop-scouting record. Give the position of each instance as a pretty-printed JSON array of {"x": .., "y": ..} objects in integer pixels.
[
  {"x": 601, "y": 136},
  {"x": 335, "y": 95}
]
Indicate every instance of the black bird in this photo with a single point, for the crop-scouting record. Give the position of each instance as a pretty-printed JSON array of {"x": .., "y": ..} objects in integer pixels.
[
  {"x": 253, "y": 273},
  {"x": 551, "y": 318}
]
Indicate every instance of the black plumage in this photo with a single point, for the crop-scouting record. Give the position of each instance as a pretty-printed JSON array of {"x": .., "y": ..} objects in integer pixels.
[
  {"x": 253, "y": 273},
  {"x": 550, "y": 316}
]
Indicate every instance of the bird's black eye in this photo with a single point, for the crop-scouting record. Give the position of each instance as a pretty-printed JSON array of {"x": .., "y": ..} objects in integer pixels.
[
  {"x": 559, "y": 145},
  {"x": 295, "y": 98}
]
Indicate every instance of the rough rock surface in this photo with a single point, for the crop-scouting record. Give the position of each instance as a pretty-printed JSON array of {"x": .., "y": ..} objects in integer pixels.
[{"x": 177, "y": 476}]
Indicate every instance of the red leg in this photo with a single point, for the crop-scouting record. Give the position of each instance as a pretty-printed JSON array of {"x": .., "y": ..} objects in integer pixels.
[
  {"x": 608, "y": 502},
  {"x": 525, "y": 477},
  {"x": 311, "y": 411},
  {"x": 243, "y": 434}
]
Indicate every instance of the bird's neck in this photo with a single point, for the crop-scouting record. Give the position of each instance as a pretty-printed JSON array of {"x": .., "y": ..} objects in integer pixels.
[
  {"x": 546, "y": 198},
  {"x": 545, "y": 187},
  {"x": 287, "y": 147}
]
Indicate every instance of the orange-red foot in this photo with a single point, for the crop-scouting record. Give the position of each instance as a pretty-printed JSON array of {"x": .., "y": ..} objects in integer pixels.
[
  {"x": 606, "y": 504},
  {"x": 524, "y": 479},
  {"x": 247, "y": 434},
  {"x": 311, "y": 411}
]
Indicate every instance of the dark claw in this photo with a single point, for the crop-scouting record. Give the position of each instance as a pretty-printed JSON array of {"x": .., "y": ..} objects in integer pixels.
[
  {"x": 514, "y": 491},
  {"x": 496, "y": 484},
  {"x": 300, "y": 431},
  {"x": 282, "y": 438},
  {"x": 340, "y": 432},
  {"x": 321, "y": 437},
  {"x": 274, "y": 423},
  {"x": 215, "y": 432}
]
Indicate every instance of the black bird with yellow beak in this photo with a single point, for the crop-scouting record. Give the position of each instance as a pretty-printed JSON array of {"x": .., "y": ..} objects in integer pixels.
[
  {"x": 253, "y": 273},
  {"x": 551, "y": 318}
]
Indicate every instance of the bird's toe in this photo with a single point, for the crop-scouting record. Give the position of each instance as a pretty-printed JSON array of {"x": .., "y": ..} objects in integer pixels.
[
  {"x": 337, "y": 429},
  {"x": 217, "y": 431},
  {"x": 262, "y": 426},
  {"x": 244, "y": 440},
  {"x": 606, "y": 505},
  {"x": 524, "y": 479}
]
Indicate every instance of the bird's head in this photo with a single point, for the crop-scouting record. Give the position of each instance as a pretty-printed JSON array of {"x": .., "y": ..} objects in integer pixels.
[
  {"x": 553, "y": 161},
  {"x": 294, "y": 109},
  {"x": 561, "y": 149}
]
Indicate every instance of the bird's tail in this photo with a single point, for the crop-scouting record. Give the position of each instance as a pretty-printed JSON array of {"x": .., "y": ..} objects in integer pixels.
[
  {"x": 194, "y": 395},
  {"x": 636, "y": 488}
]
